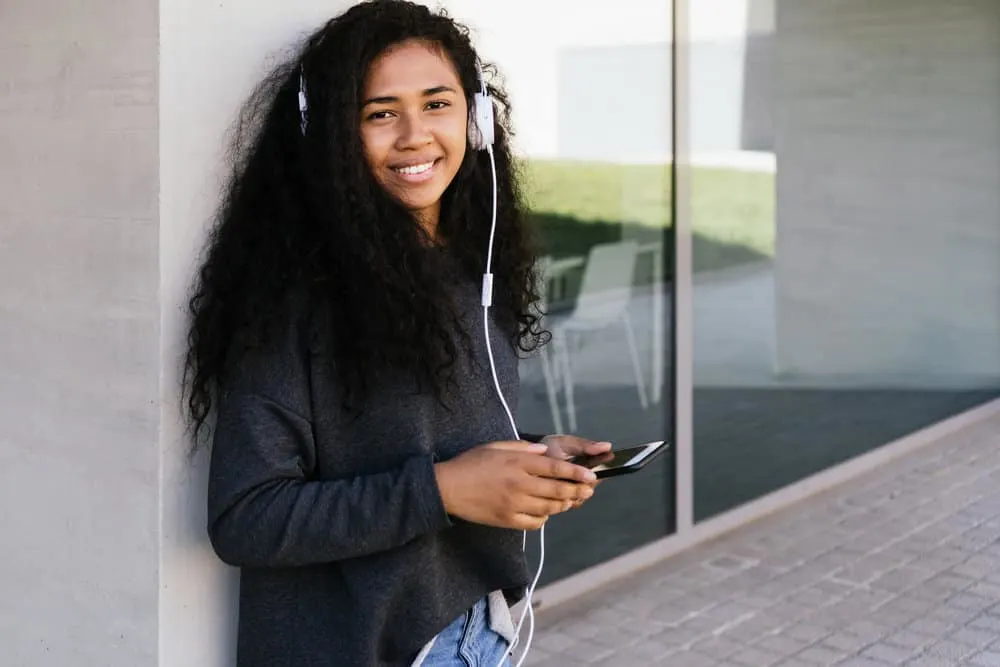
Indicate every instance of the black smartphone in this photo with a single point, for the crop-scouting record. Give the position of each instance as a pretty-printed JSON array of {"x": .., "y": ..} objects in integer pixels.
[{"x": 621, "y": 461}]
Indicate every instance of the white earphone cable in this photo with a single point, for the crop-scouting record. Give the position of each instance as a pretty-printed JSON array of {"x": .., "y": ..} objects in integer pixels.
[{"x": 487, "y": 301}]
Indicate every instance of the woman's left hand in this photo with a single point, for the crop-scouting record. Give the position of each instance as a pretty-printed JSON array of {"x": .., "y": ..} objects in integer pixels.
[{"x": 568, "y": 446}]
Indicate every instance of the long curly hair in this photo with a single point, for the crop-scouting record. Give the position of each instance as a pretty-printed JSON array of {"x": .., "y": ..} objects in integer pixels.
[{"x": 303, "y": 214}]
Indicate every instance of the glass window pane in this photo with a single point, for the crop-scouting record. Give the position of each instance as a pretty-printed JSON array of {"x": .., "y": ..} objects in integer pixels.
[
  {"x": 590, "y": 91},
  {"x": 846, "y": 213}
]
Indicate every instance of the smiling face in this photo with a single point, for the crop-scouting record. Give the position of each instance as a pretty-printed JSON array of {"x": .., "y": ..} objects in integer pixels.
[{"x": 414, "y": 120}]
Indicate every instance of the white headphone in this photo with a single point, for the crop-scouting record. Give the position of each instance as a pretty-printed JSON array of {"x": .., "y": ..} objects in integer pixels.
[
  {"x": 481, "y": 137},
  {"x": 480, "y": 119},
  {"x": 303, "y": 101}
]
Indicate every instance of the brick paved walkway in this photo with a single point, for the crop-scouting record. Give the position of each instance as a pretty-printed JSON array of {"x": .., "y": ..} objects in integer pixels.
[{"x": 900, "y": 567}]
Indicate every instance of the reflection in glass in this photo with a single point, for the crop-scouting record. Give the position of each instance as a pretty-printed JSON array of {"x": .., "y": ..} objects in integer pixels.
[
  {"x": 590, "y": 94},
  {"x": 603, "y": 374},
  {"x": 845, "y": 216}
]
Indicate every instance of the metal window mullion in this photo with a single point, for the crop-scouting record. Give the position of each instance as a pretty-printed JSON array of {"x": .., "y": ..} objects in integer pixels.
[{"x": 683, "y": 324}]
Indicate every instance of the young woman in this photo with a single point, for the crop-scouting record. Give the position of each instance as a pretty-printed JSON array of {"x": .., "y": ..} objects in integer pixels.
[{"x": 364, "y": 474}]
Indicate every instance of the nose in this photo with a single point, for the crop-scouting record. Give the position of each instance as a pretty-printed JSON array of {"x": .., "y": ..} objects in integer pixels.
[{"x": 413, "y": 132}]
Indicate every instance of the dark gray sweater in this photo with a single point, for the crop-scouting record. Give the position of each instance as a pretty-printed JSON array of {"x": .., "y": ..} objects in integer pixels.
[{"x": 347, "y": 556}]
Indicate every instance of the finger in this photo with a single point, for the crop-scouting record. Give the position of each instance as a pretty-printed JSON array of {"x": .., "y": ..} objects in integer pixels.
[
  {"x": 528, "y": 522},
  {"x": 556, "y": 469},
  {"x": 518, "y": 446},
  {"x": 567, "y": 445},
  {"x": 595, "y": 448},
  {"x": 542, "y": 507},
  {"x": 579, "y": 503},
  {"x": 556, "y": 452},
  {"x": 553, "y": 489},
  {"x": 574, "y": 445}
]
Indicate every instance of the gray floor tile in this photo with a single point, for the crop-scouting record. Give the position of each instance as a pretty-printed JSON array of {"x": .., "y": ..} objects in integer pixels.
[{"x": 899, "y": 568}]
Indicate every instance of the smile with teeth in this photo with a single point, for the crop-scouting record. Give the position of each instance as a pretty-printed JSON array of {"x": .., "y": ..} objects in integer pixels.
[{"x": 414, "y": 169}]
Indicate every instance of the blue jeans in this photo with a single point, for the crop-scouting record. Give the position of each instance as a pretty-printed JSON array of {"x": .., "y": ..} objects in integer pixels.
[{"x": 468, "y": 642}]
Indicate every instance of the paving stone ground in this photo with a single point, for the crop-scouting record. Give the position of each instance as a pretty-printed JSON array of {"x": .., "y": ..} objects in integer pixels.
[{"x": 900, "y": 567}]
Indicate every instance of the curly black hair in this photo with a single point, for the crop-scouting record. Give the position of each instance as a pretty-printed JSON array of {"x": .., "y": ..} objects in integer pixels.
[{"x": 303, "y": 214}]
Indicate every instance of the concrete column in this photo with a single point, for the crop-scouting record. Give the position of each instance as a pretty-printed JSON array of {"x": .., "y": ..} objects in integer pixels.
[
  {"x": 79, "y": 333},
  {"x": 112, "y": 116}
]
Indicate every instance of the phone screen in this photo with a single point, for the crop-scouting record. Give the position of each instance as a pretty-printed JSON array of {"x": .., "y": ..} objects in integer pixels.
[{"x": 613, "y": 459}]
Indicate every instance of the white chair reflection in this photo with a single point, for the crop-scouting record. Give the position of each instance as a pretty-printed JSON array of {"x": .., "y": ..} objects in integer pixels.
[
  {"x": 605, "y": 294},
  {"x": 547, "y": 273}
]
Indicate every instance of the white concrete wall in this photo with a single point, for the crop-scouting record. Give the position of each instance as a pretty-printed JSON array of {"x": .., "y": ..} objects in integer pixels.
[
  {"x": 888, "y": 221},
  {"x": 79, "y": 333},
  {"x": 106, "y": 561},
  {"x": 211, "y": 55}
]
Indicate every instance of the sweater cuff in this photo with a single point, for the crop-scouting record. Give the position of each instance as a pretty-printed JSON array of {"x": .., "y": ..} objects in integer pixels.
[{"x": 429, "y": 498}]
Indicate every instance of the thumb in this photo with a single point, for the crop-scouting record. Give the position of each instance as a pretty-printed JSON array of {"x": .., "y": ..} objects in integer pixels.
[
  {"x": 598, "y": 447},
  {"x": 519, "y": 446}
]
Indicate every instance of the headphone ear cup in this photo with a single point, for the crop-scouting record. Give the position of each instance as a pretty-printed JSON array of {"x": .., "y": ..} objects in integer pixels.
[{"x": 481, "y": 123}]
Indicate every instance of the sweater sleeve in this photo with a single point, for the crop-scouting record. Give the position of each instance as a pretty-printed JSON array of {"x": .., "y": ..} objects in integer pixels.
[{"x": 265, "y": 510}]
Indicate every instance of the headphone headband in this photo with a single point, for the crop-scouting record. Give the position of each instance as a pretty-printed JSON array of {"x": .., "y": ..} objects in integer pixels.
[{"x": 481, "y": 119}]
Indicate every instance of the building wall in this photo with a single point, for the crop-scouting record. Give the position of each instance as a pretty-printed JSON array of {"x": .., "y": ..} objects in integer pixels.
[
  {"x": 888, "y": 190},
  {"x": 79, "y": 332}
]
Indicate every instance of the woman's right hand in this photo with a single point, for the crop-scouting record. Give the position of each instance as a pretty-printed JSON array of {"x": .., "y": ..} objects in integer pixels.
[{"x": 511, "y": 485}]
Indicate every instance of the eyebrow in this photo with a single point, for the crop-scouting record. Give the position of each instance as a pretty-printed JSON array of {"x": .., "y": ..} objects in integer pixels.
[{"x": 430, "y": 92}]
